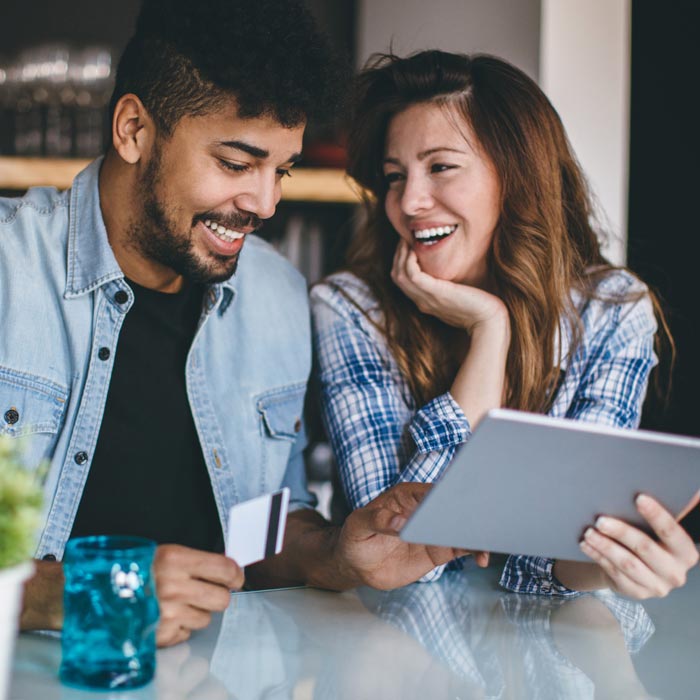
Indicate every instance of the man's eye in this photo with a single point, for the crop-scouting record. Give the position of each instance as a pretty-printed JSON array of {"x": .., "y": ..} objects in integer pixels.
[
  {"x": 235, "y": 167},
  {"x": 284, "y": 172}
]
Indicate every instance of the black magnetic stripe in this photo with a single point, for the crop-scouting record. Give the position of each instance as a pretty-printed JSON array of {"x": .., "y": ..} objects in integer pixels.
[{"x": 273, "y": 524}]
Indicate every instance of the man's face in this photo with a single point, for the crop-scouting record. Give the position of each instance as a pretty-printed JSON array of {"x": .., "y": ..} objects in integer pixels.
[{"x": 206, "y": 187}]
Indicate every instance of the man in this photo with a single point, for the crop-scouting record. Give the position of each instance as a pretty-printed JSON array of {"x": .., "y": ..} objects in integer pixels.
[{"x": 162, "y": 380}]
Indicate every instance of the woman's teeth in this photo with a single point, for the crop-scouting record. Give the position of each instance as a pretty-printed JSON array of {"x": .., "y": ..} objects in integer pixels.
[
  {"x": 430, "y": 236},
  {"x": 226, "y": 234}
]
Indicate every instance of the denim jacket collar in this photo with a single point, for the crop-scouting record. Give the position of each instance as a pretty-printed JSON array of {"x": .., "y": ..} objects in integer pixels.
[{"x": 91, "y": 261}]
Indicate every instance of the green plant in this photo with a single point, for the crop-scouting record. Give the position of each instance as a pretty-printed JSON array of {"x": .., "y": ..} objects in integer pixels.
[{"x": 20, "y": 505}]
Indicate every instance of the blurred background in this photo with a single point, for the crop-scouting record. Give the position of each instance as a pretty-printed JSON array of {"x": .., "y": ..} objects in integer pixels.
[{"x": 618, "y": 71}]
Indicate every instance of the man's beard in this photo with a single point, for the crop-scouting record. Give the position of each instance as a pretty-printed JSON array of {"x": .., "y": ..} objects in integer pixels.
[{"x": 156, "y": 237}]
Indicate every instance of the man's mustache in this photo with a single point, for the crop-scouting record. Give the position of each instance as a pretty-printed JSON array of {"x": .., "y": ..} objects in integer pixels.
[{"x": 235, "y": 222}]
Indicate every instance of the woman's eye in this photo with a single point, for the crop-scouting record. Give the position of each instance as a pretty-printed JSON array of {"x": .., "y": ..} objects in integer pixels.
[
  {"x": 441, "y": 167},
  {"x": 390, "y": 178}
]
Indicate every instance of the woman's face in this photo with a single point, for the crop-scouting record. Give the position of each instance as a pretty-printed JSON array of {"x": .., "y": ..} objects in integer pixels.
[{"x": 443, "y": 193}]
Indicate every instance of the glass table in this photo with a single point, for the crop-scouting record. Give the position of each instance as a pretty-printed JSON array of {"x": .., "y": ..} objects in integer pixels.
[{"x": 462, "y": 637}]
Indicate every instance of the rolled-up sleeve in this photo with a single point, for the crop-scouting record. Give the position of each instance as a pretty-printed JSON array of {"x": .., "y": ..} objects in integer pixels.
[{"x": 378, "y": 437}]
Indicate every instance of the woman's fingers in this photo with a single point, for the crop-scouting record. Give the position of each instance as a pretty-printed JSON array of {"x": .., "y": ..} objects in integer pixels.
[
  {"x": 398, "y": 269},
  {"x": 619, "y": 581},
  {"x": 637, "y": 564},
  {"x": 406, "y": 274},
  {"x": 674, "y": 537},
  {"x": 690, "y": 505},
  {"x": 627, "y": 563},
  {"x": 412, "y": 267},
  {"x": 653, "y": 554}
]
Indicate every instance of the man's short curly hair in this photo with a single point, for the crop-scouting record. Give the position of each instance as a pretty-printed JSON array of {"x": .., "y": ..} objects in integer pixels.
[{"x": 189, "y": 58}]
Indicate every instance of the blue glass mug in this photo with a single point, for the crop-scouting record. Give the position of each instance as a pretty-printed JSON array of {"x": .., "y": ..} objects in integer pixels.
[{"x": 110, "y": 612}]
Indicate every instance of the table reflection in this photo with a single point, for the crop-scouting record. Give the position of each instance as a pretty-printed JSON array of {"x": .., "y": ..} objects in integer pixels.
[
  {"x": 459, "y": 638},
  {"x": 462, "y": 637}
]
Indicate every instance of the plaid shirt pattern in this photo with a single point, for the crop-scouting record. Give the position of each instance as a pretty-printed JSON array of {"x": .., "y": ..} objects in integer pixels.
[
  {"x": 381, "y": 437},
  {"x": 493, "y": 640}
]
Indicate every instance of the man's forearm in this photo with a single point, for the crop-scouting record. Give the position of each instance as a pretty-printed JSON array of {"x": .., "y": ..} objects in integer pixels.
[
  {"x": 42, "y": 607},
  {"x": 309, "y": 557}
]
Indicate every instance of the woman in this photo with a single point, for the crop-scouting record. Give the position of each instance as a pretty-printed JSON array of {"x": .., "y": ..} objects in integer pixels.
[{"x": 477, "y": 281}]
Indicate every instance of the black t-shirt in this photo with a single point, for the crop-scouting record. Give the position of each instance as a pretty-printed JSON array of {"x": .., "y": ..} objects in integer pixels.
[{"x": 148, "y": 476}]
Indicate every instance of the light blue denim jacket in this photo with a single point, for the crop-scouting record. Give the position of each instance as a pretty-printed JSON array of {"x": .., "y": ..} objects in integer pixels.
[{"x": 63, "y": 297}]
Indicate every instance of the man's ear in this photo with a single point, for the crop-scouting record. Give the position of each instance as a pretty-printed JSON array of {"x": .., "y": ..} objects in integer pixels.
[{"x": 133, "y": 130}]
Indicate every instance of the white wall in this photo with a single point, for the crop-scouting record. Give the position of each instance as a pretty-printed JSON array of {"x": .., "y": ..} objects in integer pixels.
[
  {"x": 585, "y": 71},
  {"x": 507, "y": 28}
]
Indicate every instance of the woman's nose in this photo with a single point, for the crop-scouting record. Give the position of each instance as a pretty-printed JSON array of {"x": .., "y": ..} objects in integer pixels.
[{"x": 416, "y": 195}]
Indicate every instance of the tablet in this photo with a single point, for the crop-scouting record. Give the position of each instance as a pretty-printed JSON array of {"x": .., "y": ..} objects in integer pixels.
[{"x": 531, "y": 484}]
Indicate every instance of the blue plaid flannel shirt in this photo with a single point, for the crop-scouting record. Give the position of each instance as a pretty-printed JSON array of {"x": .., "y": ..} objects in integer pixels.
[{"x": 381, "y": 437}]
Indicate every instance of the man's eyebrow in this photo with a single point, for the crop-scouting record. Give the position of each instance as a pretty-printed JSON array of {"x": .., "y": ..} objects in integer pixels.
[
  {"x": 424, "y": 154},
  {"x": 256, "y": 151}
]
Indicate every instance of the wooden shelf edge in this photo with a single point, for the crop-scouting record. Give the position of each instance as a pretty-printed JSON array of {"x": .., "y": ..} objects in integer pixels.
[{"x": 306, "y": 184}]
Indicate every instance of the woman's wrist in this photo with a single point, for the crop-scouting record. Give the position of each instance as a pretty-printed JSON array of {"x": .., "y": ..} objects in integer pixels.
[
  {"x": 579, "y": 576},
  {"x": 478, "y": 384},
  {"x": 495, "y": 325}
]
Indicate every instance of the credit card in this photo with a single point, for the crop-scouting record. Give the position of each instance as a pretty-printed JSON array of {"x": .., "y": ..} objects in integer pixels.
[{"x": 256, "y": 527}]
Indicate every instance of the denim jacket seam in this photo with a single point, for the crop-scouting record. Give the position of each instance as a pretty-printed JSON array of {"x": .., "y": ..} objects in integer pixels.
[
  {"x": 43, "y": 211},
  {"x": 80, "y": 433},
  {"x": 279, "y": 392},
  {"x": 35, "y": 382}
]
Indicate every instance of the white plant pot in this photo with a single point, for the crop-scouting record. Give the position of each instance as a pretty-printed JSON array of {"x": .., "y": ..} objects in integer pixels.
[{"x": 11, "y": 581}]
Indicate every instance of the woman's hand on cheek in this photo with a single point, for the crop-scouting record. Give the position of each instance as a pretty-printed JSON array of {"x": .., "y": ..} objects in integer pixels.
[{"x": 458, "y": 305}]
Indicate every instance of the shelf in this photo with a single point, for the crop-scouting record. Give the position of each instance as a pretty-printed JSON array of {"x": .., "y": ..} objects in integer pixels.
[{"x": 305, "y": 185}]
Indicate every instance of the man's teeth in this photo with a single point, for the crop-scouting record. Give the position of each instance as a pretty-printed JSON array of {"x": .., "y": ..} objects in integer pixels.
[
  {"x": 433, "y": 235},
  {"x": 222, "y": 232}
]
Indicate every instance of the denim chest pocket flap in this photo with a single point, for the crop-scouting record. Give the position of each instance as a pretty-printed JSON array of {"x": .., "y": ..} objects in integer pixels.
[
  {"x": 29, "y": 404},
  {"x": 281, "y": 411}
]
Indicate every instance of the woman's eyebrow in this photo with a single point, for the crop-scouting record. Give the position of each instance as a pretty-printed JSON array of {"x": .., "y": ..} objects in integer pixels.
[{"x": 424, "y": 154}]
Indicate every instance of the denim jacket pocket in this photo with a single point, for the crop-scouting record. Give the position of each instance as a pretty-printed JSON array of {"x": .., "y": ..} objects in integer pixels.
[
  {"x": 280, "y": 413},
  {"x": 31, "y": 408}
]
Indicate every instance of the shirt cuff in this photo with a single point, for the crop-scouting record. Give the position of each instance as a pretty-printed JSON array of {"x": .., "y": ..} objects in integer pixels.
[
  {"x": 433, "y": 575},
  {"x": 534, "y": 575},
  {"x": 440, "y": 423}
]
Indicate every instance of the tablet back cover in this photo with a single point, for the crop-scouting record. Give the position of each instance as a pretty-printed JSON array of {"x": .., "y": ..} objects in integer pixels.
[{"x": 530, "y": 484}]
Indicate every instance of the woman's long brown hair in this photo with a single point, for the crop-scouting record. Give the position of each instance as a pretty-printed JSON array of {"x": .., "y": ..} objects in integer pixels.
[{"x": 544, "y": 245}]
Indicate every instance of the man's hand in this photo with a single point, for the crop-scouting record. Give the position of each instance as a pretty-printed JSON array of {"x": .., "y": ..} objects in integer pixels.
[
  {"x": 42, "y": 606},
  {"x": 191, "y": 585},
  {"x": 370, "y": 552}
]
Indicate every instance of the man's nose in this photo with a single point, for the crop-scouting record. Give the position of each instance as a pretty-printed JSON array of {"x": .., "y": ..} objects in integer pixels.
[{"x": 262, "y": 197}]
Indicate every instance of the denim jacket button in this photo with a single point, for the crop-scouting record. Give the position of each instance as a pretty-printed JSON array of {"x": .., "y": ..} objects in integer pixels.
[
  {"x": 297, "y": 425},
  {"x": 121, "y": 297},
  {"x": 11, "y": 416},
  {"x": 103, "y": 353},
  {"x": 80, "y": 457},
  {"x": 49, "y": 557}
]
